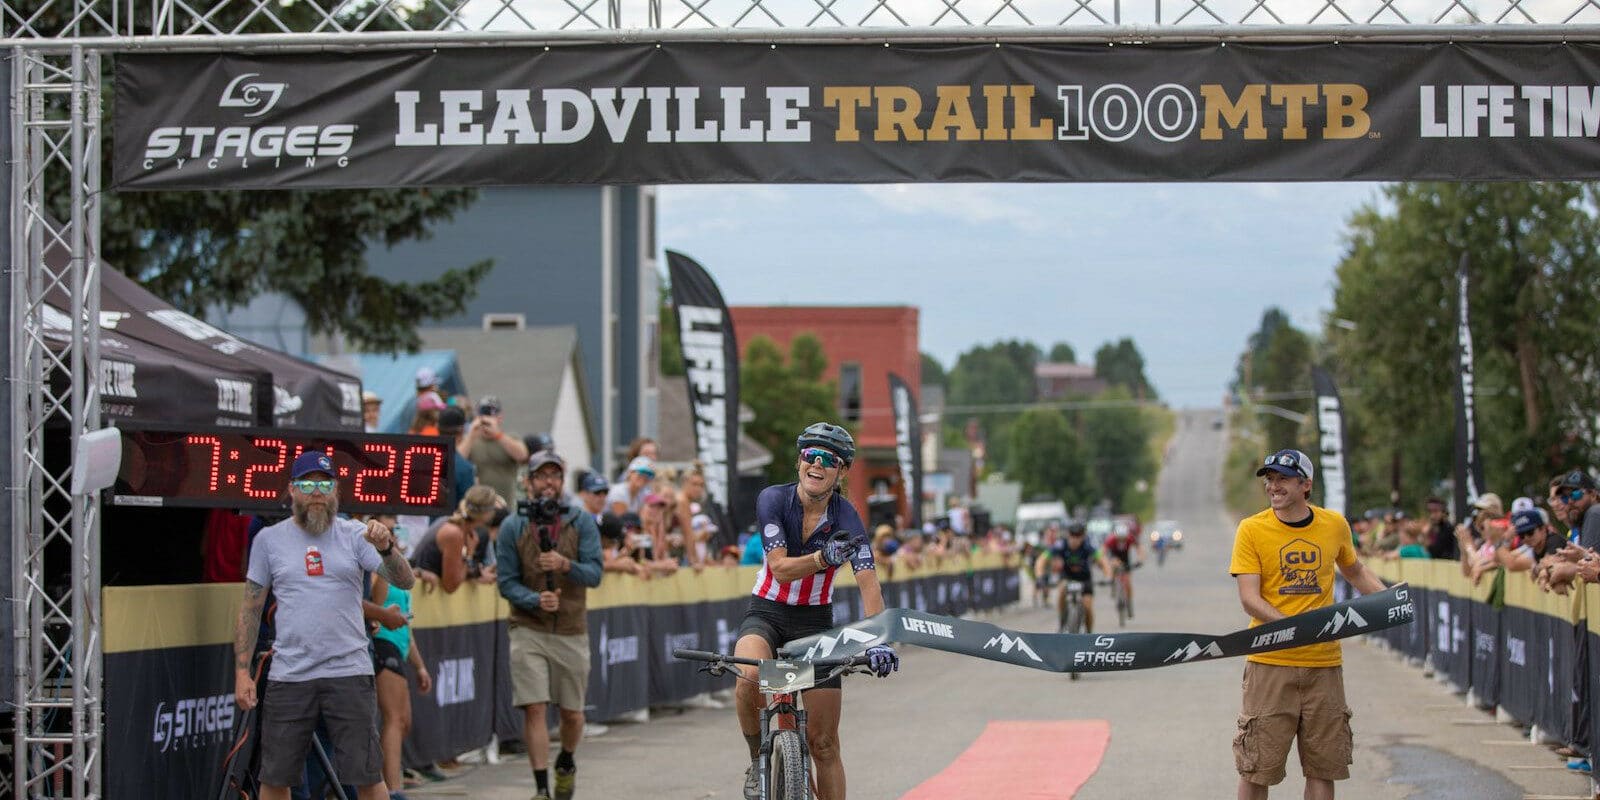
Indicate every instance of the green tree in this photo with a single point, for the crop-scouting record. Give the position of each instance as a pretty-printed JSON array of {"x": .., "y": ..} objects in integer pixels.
[
  {"x": 1062, "y": 353},
  {"x": 1118, "y": 441},
  {"x": 1275, "y": 366},
  {"x": 1121, "y": 364},
  {"x": 202, "y": 248},
  {"x": 997, "y": 374},
  {"x": 671, "y": 355},
  {"x": 1049, "y": 459},
  {"x": 933, "y": 371},
  {"x": 785, "y": 395}
]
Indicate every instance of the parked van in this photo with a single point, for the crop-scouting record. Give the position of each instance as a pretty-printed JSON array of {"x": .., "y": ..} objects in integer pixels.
[{"x": 1033, "y": 518}]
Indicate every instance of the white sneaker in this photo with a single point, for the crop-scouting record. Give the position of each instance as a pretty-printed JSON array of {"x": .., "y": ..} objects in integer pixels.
[
  {"x": 703, "y": 701},
  {"x": 592, "y": 730}
]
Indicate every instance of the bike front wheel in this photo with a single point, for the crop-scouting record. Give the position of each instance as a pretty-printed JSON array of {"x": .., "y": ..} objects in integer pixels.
[{"x": 789, "y": 779}]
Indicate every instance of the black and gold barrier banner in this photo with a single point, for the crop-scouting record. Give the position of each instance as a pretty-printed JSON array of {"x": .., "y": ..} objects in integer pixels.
[
  {"x": 170, "y": 714},
  {"x": 1105, "y": 652},
  {"x": 859, "y": 113}
]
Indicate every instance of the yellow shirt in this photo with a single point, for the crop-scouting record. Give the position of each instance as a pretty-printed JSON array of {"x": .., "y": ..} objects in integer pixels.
[{"x": 1296, "y": 568}]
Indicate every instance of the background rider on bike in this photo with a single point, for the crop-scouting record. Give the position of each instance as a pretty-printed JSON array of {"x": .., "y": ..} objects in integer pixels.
[
  {"x": 1071, "y": 557},
  {"x": 808, "y": 530},
  {"x": 1121, "y": 546}
]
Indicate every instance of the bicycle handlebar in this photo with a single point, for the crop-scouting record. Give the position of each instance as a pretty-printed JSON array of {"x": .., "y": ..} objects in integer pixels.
[{"x": 715, "y": 658}]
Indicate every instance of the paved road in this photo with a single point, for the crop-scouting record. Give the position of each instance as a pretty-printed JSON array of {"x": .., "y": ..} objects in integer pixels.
[{"x": 1170, "y": 729}]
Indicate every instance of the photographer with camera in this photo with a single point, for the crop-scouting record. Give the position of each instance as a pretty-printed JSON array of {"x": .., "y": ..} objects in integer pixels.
[
  {"x": 548, "y": 557},
  {"x": 494, "y": 452}
]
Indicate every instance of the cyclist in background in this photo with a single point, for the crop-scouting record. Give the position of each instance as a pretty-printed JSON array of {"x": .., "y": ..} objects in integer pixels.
[
  {"x": 1121, "y": 546},
  {"x": 1071, "y": 557},
  {"x": 808, "y": 530}
]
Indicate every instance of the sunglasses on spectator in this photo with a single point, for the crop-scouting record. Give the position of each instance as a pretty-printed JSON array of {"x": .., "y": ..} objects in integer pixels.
[
  {"x": 308, "y": 486},
  {"x": 829, "y": 459}
]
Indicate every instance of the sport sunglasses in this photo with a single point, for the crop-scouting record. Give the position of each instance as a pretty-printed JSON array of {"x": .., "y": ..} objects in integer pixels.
[
  {"x": 829, "y": 459},
  {"x": 1283, "y": 460},
  {"x": 307, "y": 486}
]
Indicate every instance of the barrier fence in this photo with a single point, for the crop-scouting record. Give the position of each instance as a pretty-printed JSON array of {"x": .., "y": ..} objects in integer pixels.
[
  {"x": 1530, "y": 653},
  {"x": 169, "y": 660}
]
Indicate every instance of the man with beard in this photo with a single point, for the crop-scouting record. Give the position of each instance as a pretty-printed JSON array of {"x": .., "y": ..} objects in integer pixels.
[{"x": 314, "y": 563}]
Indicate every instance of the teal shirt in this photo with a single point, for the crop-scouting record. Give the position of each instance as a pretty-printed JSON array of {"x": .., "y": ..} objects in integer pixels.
[
  {"x": 399, "y": 637},
  {"x": 1413, "y": 551}
]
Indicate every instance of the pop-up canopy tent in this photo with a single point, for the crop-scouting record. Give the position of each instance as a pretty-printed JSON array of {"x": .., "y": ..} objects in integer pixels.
[{"x": 198, "y": 379}]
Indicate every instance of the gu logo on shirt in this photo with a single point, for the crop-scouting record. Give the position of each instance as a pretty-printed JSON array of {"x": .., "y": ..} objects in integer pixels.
[
  {"x": 1297, "y": 563},
  {"x": 313, "y": 561}
]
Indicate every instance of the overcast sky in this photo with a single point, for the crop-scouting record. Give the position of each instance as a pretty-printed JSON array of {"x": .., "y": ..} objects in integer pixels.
[{"x": 1185, "y": 269}]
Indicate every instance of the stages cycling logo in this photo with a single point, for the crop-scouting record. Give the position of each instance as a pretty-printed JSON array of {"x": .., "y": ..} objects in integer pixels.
[
  {"x": 193, "y": 722},
  {"x": 249, "y": 95}
]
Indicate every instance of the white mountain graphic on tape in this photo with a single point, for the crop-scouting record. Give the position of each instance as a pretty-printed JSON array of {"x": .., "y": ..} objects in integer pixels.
[
  {"x": 824, "y": 646},
  {"x": 1341, "y": 619},
  {"x": 1008, "y": 643},
  {"x": 1193, "y": 650}
]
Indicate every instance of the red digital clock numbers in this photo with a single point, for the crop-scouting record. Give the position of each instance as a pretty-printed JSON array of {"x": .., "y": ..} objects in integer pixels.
[{"x": 249, "y": 469}]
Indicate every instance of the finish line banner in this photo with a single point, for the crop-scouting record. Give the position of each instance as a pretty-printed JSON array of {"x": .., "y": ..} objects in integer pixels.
[
  {"x": 855, "y": 113},
  {"x": 1105, "y": 652}
]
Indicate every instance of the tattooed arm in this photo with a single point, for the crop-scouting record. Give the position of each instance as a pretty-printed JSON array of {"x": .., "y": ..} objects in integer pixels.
[
  {"x": 394, "y": 569},
  {"x": 244, "y": 644}
]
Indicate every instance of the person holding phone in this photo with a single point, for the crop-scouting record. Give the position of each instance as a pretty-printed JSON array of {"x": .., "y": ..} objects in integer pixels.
[{"x": 495, "y": 453}]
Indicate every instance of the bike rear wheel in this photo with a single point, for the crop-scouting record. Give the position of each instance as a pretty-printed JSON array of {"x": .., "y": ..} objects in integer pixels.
[
  {"x": 788, "y": 773},
  {"x": 1122, "y": 601}
]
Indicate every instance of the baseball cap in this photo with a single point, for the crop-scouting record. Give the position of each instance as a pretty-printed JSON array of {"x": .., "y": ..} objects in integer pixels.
[
  {"x": 451, "y": 421},
  {"x": 1526, "y": 520},
  {"x": 489, "y": 406},
  {"x": 369, "y": 396},
  {"x": 631, "y": 520},
  {"x": 1292, "y": 463},
  {"x": 1490, "y": 502},
  {"x": 542, "y": 458},
  {"x": 309, "y": 462},
  {"x": 1521, "y": 504},
  {"x": 426, "y": 378},
  {"x": 594, "y": 482},
  {"x": 430, "y": 401},
  {"x": 1579, "y": 479},
  {"x": 643, "y": 464},
  {"x": 610, "y": 526}
]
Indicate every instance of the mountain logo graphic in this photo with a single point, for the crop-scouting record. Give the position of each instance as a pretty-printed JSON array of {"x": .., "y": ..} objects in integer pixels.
[
  {"x": 825, "y": 645},
  {"x": 1008, "y": 643},
  {"x": 1193, "y": 650},
  {"x": 1341, "y": 619}
]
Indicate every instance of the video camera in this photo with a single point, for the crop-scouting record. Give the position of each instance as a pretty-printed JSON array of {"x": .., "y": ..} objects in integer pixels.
[{"x": 543, "y": 511}]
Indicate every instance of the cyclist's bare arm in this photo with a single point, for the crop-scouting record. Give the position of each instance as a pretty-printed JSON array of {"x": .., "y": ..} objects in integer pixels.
[{"x": 871, "y": 592}]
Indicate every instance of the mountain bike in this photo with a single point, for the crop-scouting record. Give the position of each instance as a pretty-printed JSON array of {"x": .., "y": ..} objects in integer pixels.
[
  {"x": 1073, "y": 615},
  {"x": 1121, "y": 576},
  {"x": 784, "y": 765}
]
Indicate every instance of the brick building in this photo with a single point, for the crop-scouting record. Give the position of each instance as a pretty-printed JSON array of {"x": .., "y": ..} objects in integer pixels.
[{"x": 863, "y": 345}]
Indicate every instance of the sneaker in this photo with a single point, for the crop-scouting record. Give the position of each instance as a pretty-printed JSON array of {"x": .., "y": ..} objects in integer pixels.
[
  {"x": 542, "y": 796},
  {"x": 752, "y": 784},
  {"x": 1579, "y": 765},
  {"x": 566, "y": 779},
  {"x": 592, "y": 730}
]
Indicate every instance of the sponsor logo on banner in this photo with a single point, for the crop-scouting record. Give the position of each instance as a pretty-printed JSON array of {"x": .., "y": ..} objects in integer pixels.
[
  {"x": 673, "y": 641},
  {"x": 621, "y": 650},
  {"x": 1105, "y": 641},
  {"x": 1276, "y": 637},
  {"x": 116, "y": 379},
  {"x": 1483, "y": 644},
  {"x": 1007, "y": 643},
  {"x": 1441, "y": 636},
  {"x": 727, "y": 636},
  {"x": 827, "y": 644},
  {"x": 236, "y": 397},
  {"x": 350, "y": 397},
  {"x": 183, "y": 144},
  {"x": 928, "y": 626},
  {"x": 455, "y": 682},
  {"x": 245, "y": 93},
  {"x": 1517, "y": 651},
  {"x": 1341, "y": 619},
  {"x": 1331, "y": 465},
  {"x": 193, "y": 722},
  {"x": 702, "y": 338},
  {"x": 1103, "y": 658},
  {"x": 1192, "y": 651}
]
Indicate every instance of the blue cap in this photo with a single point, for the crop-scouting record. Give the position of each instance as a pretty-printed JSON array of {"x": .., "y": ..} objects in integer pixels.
[
  {"x": 1292, "y": 463},
  {"x": 309, "y": 462},
  {"x": 1527, "y": 520},
  {"x": 594, "y": 482}
]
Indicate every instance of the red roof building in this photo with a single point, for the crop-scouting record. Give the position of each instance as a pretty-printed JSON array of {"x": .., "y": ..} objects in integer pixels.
[{"x": 863, "y": 345}]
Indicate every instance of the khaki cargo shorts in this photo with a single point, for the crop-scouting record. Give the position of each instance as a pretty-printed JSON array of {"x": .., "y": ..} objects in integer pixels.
[
  {"x": 549, "y": 668},
  {"x": 1282, "y": 704}
]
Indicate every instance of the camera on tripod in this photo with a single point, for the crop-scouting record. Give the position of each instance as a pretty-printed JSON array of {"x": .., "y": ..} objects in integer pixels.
[{"x": 543, "y": 511}]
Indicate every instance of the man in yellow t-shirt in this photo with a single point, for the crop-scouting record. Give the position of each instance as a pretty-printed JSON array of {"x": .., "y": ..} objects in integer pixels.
[{"x": 1283, "y": 559}]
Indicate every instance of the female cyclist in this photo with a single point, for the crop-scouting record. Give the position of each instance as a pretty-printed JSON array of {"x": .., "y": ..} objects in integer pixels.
[{"x": 799, "y": 524}]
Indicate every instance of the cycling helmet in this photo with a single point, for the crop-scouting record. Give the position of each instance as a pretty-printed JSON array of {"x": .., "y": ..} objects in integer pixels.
[
  {"x": 1076, "y": 528},
  {"x": 833, "y": 437}
]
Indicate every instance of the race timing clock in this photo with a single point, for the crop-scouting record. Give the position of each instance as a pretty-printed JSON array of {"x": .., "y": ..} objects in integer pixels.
[{"x": 248, "y": 468}]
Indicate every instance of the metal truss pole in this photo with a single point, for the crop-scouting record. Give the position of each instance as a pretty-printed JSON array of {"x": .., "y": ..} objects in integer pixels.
[{"x": 54, "y": 364}]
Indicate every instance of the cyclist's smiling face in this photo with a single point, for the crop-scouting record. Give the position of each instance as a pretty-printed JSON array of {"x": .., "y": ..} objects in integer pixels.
[{"x": 817, "y": 479}]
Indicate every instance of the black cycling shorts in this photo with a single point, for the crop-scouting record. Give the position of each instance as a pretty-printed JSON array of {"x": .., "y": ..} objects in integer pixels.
[
  {"x": 386, "y": 656},
  {"x": 1087, "y": 581},
  {"x": 780, "y": 624}
]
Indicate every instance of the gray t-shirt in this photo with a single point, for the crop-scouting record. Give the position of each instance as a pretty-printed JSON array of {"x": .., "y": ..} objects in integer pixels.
[
  {"x": 1589, "y": 533},
  {"x": 619, "y": 494},
  {"x": 320, "y": 632}
]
